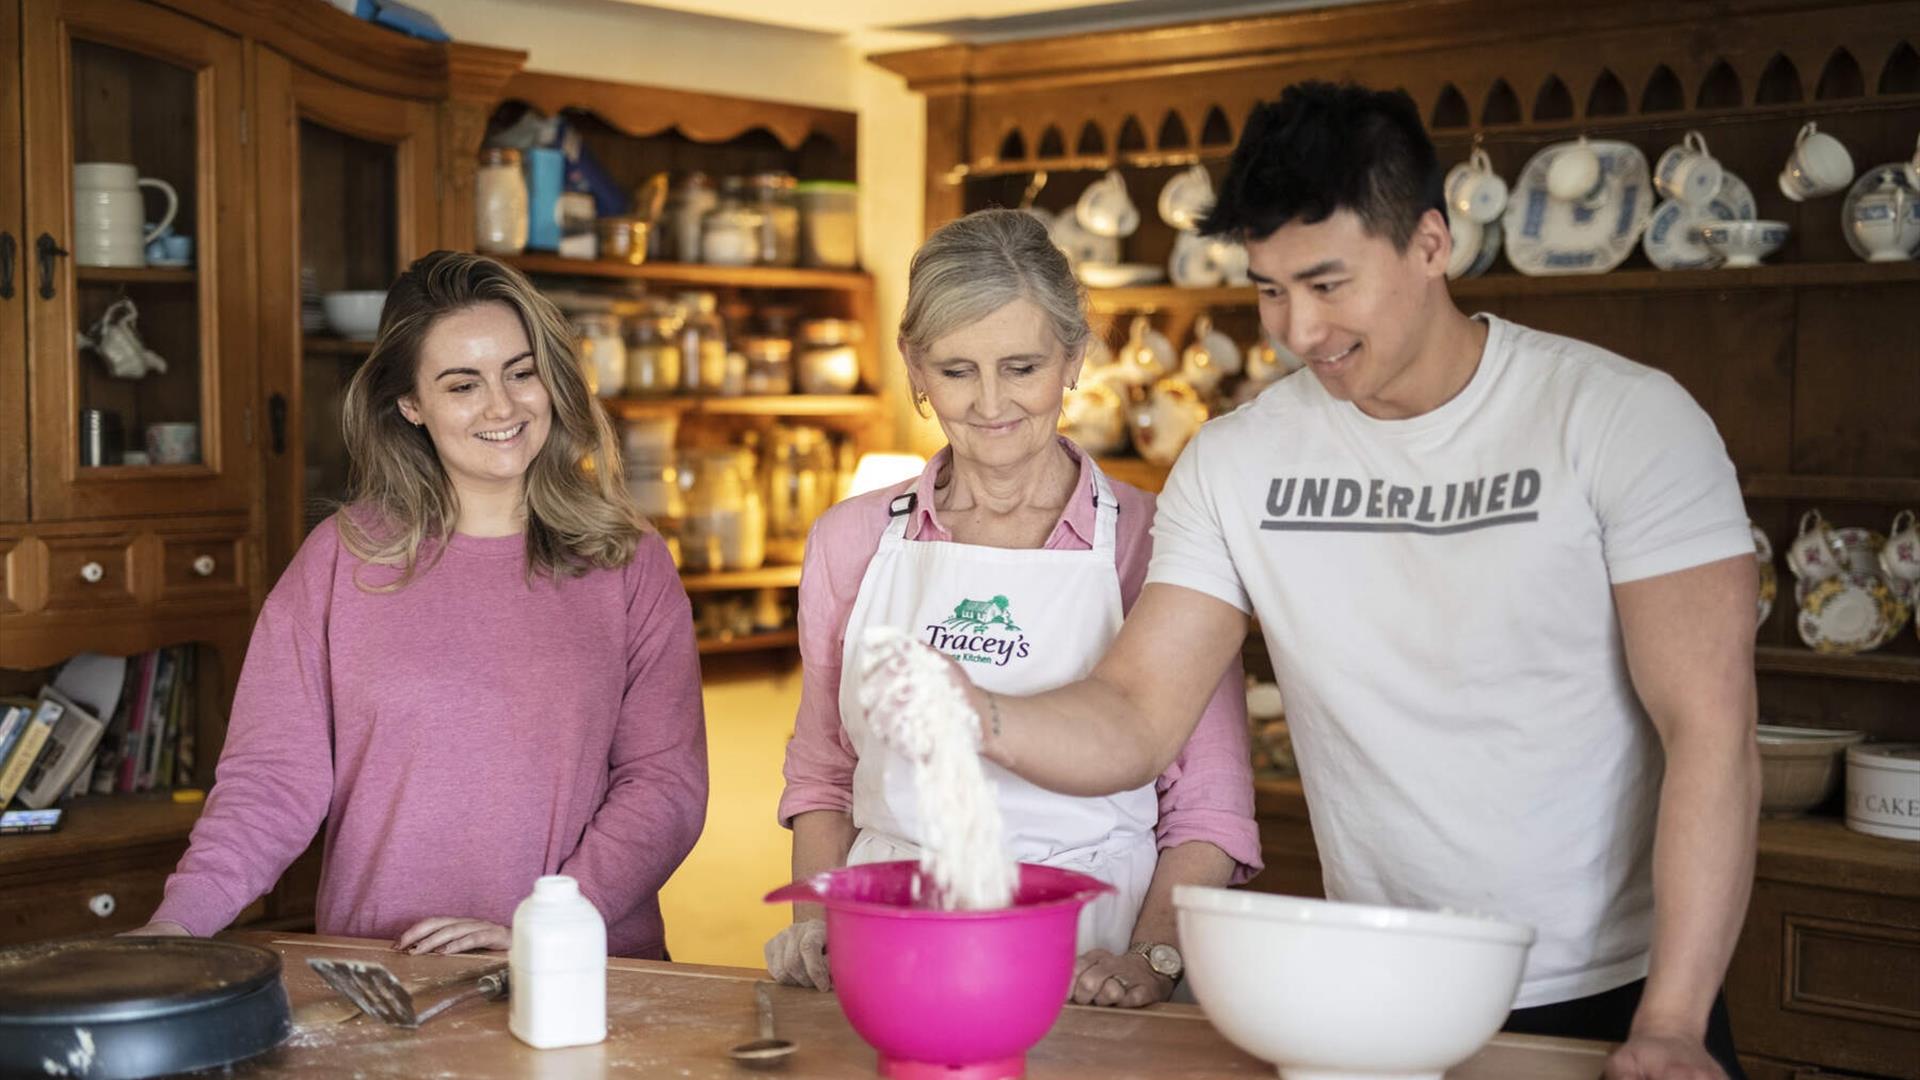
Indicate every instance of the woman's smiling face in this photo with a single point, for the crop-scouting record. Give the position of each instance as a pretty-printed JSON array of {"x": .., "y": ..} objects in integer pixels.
[
  {"x": 478, "y": 397},
  {"x": 995, "y": 384}
]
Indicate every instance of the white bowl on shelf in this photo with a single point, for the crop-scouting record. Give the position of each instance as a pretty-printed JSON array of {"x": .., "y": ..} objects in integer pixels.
[
  {"x": 1743, "y": 243},
  {"x": 354, "y": 315},
  {"x": 1325, "y": 989},
  {"x": 1799, "y": 767}
]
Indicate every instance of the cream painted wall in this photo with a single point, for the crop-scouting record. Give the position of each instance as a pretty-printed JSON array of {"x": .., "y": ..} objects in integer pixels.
[{"x": 712, "y": 906}]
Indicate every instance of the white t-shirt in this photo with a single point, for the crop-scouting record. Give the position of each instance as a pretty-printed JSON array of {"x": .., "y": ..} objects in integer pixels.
[{"x": 1436, "y": 594}]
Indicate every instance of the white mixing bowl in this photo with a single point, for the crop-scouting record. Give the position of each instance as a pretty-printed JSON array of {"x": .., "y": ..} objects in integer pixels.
[
  {"x": 354, "y": 315},
  {"x": 1331, "y": 991}
]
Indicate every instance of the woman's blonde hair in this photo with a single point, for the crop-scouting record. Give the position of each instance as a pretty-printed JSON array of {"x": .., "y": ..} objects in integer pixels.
[
  {"x": 973, "y": 266},
  {"x": 578, "y": 512}
]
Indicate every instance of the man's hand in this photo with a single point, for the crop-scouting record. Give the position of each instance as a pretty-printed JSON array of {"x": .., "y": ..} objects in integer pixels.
[
  {"x": 446, "y": 934},
  {"x": 1101, "y": 978},
  {"x": 1653, "y": 1056}
]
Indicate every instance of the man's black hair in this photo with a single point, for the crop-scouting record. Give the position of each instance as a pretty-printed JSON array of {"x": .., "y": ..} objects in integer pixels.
[{"x": 1323, "y": 148}]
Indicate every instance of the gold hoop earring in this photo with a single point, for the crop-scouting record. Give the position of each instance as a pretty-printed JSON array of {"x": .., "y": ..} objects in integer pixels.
[{"x": 919, "y": 403}]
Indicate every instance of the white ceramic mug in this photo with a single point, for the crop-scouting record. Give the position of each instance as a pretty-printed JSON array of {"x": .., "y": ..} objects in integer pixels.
[
  {"x": 1192, "y": 264},
  {"x": 1231, "y": 257},
  {"x": 1106, "y": 209},
  {"x": 1900, "y": 556},
  {"x": 1687, "y": 173},
  {"x": 1816, "y": 554},
  {"x": 1475, "y": 190},
  {"x": 173, "y": 444},
  {"x": 1819, "y": 165},
  {"x": 109, "y": 217},
  {"x": 1577, "y": 174},
  {"x": 1186, "y": 198}
]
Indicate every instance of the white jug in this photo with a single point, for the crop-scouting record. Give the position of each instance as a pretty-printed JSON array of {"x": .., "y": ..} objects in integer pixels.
[{"x": 109, "y": 218}]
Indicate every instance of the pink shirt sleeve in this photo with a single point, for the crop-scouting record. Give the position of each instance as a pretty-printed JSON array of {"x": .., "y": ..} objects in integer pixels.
[
  {"x": 820, "y": 759},
  {"x": 1207, "y": 793},
  {"x": 656, "y": 798},
  {"x": 275, "y": 777}
]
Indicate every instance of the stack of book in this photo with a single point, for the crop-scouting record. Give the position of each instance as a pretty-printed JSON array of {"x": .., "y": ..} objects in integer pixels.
[{"x": 54, "y": 745}]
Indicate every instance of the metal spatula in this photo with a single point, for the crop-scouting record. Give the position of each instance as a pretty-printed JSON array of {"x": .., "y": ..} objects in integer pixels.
[{"x": 378, "y": 993}]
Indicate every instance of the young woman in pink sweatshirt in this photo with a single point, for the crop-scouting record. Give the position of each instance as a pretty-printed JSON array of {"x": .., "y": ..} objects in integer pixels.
[{"x": 481, "y": 670}]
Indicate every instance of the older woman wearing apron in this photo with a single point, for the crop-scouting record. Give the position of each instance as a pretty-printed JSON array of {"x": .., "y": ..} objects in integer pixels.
[{"x": 1013, "y": 554}]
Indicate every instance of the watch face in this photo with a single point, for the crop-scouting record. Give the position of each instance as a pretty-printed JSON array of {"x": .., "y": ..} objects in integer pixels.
[{"x": 1164, "y": 959}]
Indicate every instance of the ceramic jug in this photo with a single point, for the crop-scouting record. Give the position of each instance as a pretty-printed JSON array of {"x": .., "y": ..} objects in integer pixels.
[{"x": 109, "y": 218}]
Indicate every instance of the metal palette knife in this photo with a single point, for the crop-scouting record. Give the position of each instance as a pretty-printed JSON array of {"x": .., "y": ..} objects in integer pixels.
[{"x": 376, "y": 991}]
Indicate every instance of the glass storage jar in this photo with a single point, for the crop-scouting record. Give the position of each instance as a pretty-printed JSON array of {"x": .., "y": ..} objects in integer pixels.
[
  {"x": 653, "y": 349},
  {"x": 779, "y": 219},
  {"x": 602, "y": 351},
  {"x": 797, "y": 478},
  {"x": 688, "y": 201},
  {"x": 703, "y": 344},
  {"x": 730, "y": 232},
  {"x": 827, "y": 360},
  {"x": 829, "y": 223},
  {"x": 499, "y": 203},
  {"x": 724, "y": 527},
  {"x": 769, "y": 365}
]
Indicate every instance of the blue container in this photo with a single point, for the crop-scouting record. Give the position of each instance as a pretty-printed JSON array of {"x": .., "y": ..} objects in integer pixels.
[{"x": 546, "y": 172}]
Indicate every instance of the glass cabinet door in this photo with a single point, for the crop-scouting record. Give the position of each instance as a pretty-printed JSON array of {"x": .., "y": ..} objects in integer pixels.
[
  {"x": 13, "y": 289},
  {"x": 347, "y": 182},
  {"x": 139, "y": 300}
]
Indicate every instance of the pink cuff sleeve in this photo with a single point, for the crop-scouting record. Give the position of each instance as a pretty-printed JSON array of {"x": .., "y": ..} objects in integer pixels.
[
  {"x": 1207, "y": 793},
  {"x": 820, "y": 759}
]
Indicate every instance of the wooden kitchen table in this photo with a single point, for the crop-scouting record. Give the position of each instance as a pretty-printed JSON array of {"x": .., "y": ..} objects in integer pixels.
[{"x": 677, "y": 1020}]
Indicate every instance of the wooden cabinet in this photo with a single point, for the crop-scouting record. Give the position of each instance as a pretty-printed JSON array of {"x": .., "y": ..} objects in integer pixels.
[
  {"x": 348, "y": 182},
  {"x": 131, "y": 83},
  {"x": 13, "y": 289}
]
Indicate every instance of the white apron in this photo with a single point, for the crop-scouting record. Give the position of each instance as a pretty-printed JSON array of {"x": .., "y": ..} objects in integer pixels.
[{"x": 1019, "y": 621}]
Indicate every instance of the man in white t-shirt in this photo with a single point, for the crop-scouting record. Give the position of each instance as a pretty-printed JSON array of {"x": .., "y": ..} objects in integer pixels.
[{"x": 1507, "y": 583}]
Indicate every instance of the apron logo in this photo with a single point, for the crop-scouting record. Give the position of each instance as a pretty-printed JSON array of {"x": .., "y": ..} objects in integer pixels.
[{"x": 967, "y": 635}]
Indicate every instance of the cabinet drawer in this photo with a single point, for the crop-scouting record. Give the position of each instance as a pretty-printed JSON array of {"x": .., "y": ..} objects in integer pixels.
[
  {"x": 15, "y": 578},
  {"x": 90, "y": 572},
  {"x": 194, "y": 565},
  {"x": 70, "y": 907}
]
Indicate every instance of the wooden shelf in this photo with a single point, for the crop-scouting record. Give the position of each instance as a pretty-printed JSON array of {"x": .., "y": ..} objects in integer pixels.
[
  {"x": 767, "y": 577},
  {"x": 334, "y": 346},
  {"x": 136, "y": 275},
  {"x": 1871, "y": 667},
  {"x": 638, "y": 408},
  {"x": 1824, "y": 853},
  {"x": 737, "y": 277},
  {"x": 1155, "y": 298},
  {"x": 778, "y": 639},
  {"x": 1879, "y": 489},
  {"x": 101, "y": 824}
]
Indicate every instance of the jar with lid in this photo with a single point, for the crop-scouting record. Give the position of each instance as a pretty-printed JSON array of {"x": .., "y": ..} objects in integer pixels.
[
  {"x": 499, "y": 203},
  {"x": 769, "y": 365},
  {"x": 703, "y": 344},
  {"x": 602, "y": 351},
  {"x": 653, "y": 349},
  {"x": 779, "y": 219},
  {"x": 730, "y": 232},
  {"x": 827, "y": 360},
  {"x": 797, "y": 479},
  {"x": 687, "y": 204},
  {"x": 725, "y": 524},
  {"x": 829, "y": 223}
]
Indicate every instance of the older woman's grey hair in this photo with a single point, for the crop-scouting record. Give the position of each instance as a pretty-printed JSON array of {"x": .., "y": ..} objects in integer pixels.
[{"x": 974, "y": 266}]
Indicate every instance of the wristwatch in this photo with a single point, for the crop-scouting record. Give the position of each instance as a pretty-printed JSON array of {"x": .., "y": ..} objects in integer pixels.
[{"x": 1163, "y": 959}]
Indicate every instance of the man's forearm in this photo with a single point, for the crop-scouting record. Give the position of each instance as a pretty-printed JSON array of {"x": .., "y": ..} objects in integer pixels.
[
  {"x": 1702, "y": 873},
  {"x": 1085, "y": 738}
]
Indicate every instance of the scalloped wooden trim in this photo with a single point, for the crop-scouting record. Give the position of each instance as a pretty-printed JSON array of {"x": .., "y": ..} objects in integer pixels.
[{"x": 642, "y": 111}]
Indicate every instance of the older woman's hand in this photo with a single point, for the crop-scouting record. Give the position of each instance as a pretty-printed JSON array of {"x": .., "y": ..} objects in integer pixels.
[
  {"x": 447, "y": 934},
  {"x": 1101, "y": 978}
]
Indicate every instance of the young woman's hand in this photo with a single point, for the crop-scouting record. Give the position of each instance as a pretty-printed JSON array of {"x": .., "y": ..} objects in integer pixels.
[{"x": 447, "y": 934}]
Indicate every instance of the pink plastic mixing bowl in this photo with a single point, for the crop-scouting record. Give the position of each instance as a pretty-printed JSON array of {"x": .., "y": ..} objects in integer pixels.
[{"x": 952, "y": 995}]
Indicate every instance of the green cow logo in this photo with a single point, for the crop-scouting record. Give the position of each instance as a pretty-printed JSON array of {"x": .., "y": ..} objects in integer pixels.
[{"x": 981, "y": 615}]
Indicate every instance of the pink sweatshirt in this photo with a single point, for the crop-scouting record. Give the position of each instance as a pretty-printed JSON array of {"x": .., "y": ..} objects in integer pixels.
[
  {"x": 1206, "y": 794},
  {"x": 459, "y": 737}
]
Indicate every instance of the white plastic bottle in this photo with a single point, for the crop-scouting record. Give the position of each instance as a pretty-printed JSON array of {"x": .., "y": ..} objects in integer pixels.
[{"x": 557, "y": 967}]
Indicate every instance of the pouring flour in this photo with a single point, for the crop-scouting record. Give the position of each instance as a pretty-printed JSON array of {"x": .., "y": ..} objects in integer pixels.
[{"x": 909, "y": 692}]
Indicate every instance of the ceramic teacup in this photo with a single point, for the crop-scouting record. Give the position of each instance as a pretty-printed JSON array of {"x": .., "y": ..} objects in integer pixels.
[
  {"x": 1475, "y": 190},
  {"x": 1467, "y": 234},
  {"x": 1687, "y": 173},
  {"x": 1577, "y": 174},
  {"x": 1816, "y": 554},
  {"x": 1186, "y": 198},
  {"x": 1886, "y": 221},
  {"x": 1192, "y": 264},
  {"x": 1231, "y": 257},
  {"x": 1900, "y": 556},
  {"x": 1743, "y": 243},
  {"x": 1106, "y": 209},
  {"x": 1819, "y": 165}
]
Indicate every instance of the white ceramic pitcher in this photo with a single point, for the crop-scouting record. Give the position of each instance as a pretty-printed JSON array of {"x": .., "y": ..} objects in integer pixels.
[{"x": 109, "y": 218}]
